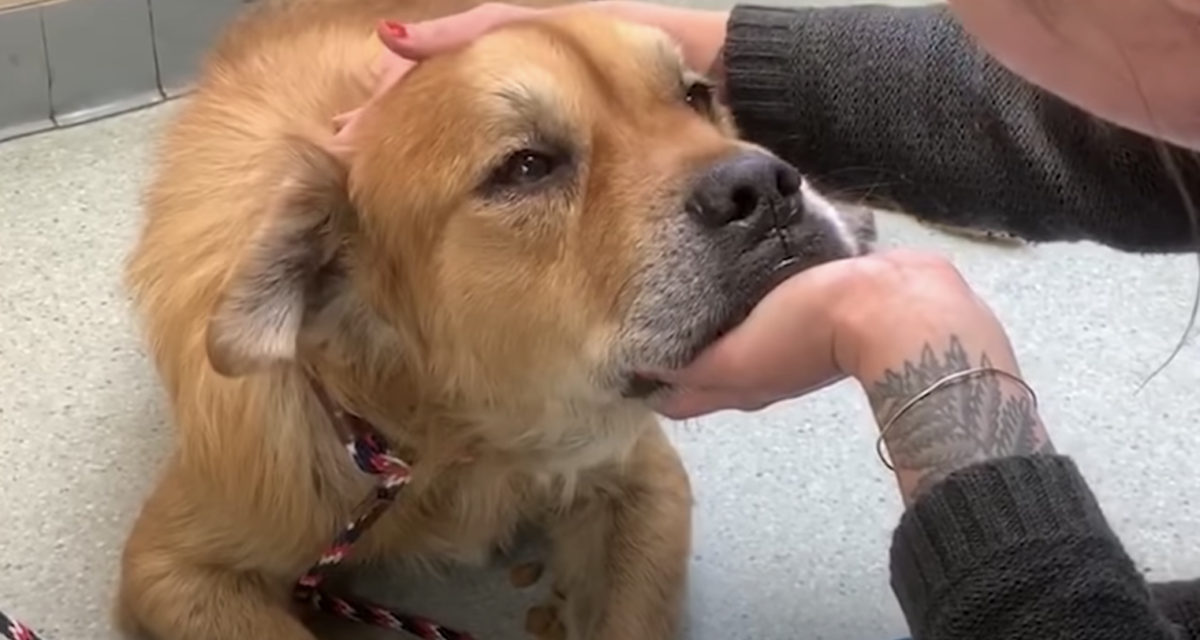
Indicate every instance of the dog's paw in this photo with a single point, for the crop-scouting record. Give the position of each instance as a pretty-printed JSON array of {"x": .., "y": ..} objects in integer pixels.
[
  {"x": 543, "y": 622},
  {"x": 525, "y": 574}
]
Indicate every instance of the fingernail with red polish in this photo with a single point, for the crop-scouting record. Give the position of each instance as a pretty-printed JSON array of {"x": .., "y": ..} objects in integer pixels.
[{"x": 396, "y": 29}]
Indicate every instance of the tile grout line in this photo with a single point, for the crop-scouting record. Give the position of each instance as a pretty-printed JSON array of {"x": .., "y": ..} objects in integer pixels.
[
  {"x": 49, "y": 70},
  {"x": 48, "y": 118},
  {"x": 162, "y": 92}
]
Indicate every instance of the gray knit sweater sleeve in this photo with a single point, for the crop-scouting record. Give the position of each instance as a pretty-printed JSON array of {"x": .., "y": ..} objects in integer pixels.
[
  {"x": 1016, "y": 549},
  {"x": 899, "y": 104}
]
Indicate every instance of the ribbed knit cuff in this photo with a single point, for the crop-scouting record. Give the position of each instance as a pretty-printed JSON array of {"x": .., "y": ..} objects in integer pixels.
[
  {"x": 760, "y": 61},
  {"x": 979, "y": 512},
  {"x": 1180, "y": 603}
]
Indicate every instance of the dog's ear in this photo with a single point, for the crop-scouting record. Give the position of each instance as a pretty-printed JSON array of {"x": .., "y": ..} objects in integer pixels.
[{"x": 290, "y": 271}]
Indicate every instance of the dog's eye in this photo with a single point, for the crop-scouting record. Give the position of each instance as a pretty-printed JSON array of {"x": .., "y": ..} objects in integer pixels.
[
  {"x": 699, "y": 96},
  {"x": 525, "y": 167}
]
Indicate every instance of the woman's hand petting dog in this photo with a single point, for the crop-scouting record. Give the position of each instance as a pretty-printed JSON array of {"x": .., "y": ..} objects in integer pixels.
[{"x": 406, "y": 45}]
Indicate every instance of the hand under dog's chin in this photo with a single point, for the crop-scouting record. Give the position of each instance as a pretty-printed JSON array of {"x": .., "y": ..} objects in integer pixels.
[
  {"x": 702, "y": 321},
  {"x": 650, "y": 382}
]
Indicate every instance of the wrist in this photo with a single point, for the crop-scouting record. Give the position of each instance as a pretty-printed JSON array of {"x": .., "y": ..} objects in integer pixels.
[
  {"x": 934, "y": 423},
  {"x": 905, "y": 322}
]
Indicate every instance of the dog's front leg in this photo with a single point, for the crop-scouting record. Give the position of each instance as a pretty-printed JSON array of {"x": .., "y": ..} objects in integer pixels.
[
  {"x": 183, "y": 580},
  {"x": 620, "y": 560}
]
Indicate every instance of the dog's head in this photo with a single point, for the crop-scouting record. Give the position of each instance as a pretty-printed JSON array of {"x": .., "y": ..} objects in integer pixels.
[{"x": 550, "y": 210}]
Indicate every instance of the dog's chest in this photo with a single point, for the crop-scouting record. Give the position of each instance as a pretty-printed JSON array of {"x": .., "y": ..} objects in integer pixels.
[
  {"x": 464, "y": 512},
  {"x": 585, "y": 445}
]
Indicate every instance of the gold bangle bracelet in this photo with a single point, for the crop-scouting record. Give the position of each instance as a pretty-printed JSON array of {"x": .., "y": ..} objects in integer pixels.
[{"x": 933, "y": 388}]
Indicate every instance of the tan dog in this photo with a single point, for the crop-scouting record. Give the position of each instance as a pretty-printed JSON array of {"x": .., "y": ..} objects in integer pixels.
[{"x": 525, "y": 224}]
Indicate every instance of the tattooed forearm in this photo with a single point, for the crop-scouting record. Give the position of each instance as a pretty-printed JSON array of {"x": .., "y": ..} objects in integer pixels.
[{"x": 968, "y": 421}]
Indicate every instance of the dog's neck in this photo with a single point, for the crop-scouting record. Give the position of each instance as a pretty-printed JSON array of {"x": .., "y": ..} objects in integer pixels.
[{"x": 538, "y": 429}]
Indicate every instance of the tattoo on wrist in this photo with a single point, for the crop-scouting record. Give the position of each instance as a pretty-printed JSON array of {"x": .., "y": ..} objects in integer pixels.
[{"x": 967, "y": 422}]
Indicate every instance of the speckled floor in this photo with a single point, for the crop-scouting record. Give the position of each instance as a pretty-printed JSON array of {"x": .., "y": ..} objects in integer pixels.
[{"x": 794, "y": 511}]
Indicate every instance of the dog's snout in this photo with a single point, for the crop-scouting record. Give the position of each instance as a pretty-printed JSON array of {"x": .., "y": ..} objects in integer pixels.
[{"x": 734, "y": 188}]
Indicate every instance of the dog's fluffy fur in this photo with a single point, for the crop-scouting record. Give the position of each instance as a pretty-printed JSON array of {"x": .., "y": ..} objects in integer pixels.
[{"x": 523, "y": 226}]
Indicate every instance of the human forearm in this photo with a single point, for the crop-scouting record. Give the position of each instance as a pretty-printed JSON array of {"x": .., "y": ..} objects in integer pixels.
[
  {"x": 968, "y": 420},
  {"x": 938, "y": 369},
  {"x": 898, "y": 106}
]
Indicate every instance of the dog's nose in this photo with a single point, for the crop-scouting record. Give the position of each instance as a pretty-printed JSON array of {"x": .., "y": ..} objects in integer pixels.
[{"x": 734, "y": 188}]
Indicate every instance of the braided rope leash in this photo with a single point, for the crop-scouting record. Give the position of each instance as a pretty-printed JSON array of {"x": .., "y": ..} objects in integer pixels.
[
  {"x": 371, "y": 454},
  {"x": 13, "y": 630}
]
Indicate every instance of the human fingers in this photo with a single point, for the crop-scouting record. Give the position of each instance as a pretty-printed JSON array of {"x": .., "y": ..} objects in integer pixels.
[
  {"x": 684, "y": 404},
  {"x": 390, "y": 69},
  {"x": 387, "y": 72},
  {"x": 342, "y": 120},
  {"x": 784, "y": 344},
  {"x": 420, "y": 40}
]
